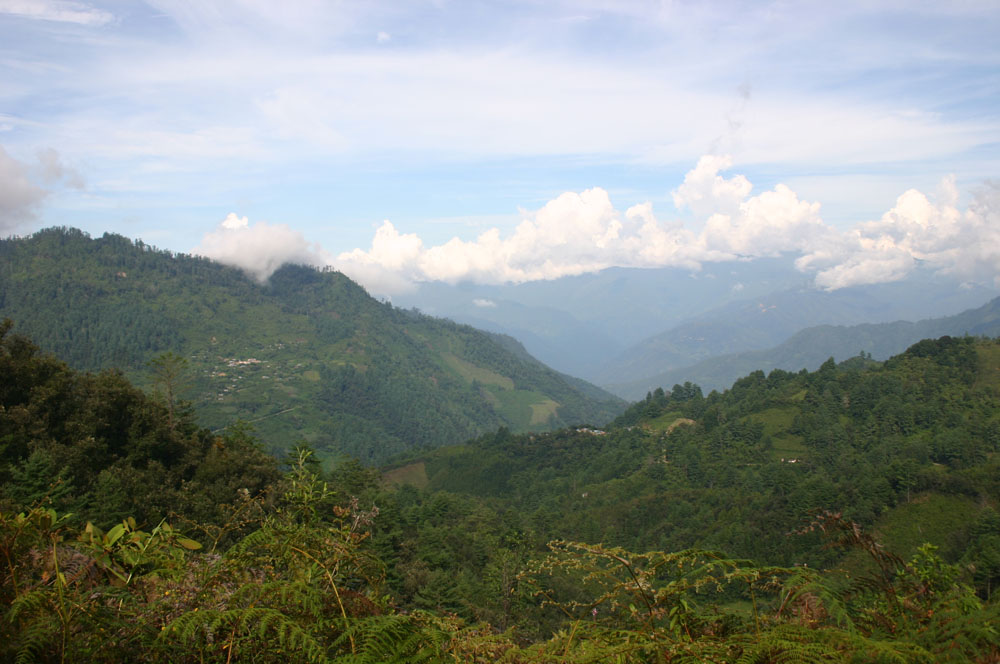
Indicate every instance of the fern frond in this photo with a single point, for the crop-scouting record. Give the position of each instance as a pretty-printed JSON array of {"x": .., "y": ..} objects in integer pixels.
[
  {"x": 265, "y": 629},
  {"x": 36, "y": 638},
  {"x": 385, "y": 638}
]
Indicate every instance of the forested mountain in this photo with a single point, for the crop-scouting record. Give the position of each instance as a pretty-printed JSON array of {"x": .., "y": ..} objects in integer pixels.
[
  {"x": 809, "y": 348},
  {"x": 738, "y": 470},
  {"x": 96, "y": 446},
  {"x": 308, "y": 356}
]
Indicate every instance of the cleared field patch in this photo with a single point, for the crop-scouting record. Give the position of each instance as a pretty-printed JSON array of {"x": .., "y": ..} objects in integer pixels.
[
  {"x": 525, "y": 409},
  {"x": 988, "y": 369},
  {"x": 662, "y": 422},
  {"x": 471, "y": 372},
  {"x": 542, "y": 412},
  {"x": 777, "y": 423},
  {"x": 927, "y": 518},
  {"x": 414, "y": 474}
]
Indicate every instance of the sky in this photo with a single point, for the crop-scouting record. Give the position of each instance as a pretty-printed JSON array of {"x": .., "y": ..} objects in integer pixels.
[{"x": 510, "y": 141}]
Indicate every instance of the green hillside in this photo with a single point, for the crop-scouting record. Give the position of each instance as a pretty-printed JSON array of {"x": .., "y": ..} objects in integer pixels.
[
  {"x": 681, "y": 532},
  {"x": 739, "y": 470},
  {"x": 308, "y": 356}
]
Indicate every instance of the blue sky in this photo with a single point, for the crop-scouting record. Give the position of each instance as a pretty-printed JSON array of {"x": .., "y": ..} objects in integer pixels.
[{"x": 510, "y": 140}]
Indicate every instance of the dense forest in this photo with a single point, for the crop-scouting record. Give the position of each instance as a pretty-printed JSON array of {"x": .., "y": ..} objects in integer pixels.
[
  {"x": 846, "y": 514},
  {"x": 308, "y": 356}
]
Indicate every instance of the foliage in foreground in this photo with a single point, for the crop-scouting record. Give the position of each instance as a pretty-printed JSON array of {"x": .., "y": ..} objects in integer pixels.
[{"x": 305, "y": 585}]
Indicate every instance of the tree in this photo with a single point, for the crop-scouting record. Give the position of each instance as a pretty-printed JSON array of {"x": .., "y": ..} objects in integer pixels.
[{"x": 170, "y": 374}]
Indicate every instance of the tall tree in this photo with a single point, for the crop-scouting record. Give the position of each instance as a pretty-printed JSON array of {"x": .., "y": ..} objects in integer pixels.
[{"x": 170, "y": 375}]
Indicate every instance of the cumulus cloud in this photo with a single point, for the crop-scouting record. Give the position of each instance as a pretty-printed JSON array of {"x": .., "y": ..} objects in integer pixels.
[
  {"x": 706, "y": 192},
  {"x": 483, "y": 303},
  {"x": 917, "y": 231},
  {"x": 583, "y": 232},
  {"x": 259, "y": 249},
  {"x": 19, "y": 196}
]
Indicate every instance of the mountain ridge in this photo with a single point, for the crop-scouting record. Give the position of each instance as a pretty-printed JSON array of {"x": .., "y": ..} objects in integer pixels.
[
  {"x": 809, "y": 348},
  {"x": 308, "y": 356}
]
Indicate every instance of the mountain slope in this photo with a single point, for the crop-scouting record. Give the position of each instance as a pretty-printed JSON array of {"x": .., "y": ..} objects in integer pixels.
[
  {"x": 811, "y": 347},
  {"x": 308, "y": 356},
  {"x": 763, "y": 322},
  {"x": 907, "y": 446}
]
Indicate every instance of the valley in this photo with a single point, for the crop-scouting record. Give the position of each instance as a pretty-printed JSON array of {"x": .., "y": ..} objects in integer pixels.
[{"x": 457, "y": 489}]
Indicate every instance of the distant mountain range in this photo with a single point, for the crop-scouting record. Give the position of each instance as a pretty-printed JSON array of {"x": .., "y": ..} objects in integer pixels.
[
  {"x": 809, "y": 348},
  {"x": 307, "y": 357},
  {"x": 622, "y": 324}
]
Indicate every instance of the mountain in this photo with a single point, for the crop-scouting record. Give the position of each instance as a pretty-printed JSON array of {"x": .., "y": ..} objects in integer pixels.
[
  {"x": 811, "y": 347},
  {"x": 906, "y": 446},
  {"x": 763, "y": 322},
  {"x": 576, "y": 324},
  {"x": 625, "y": 323},
  {"x": 308, "y": 356}
]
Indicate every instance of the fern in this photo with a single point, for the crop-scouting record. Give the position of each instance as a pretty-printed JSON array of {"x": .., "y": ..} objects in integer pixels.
[
  {"x": 388, "y": 638},
  {"x": 36, "y": 637},
  {"x": 244, "y": 632}
]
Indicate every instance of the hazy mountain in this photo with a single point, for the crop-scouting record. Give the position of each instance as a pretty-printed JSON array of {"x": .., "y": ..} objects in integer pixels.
[
  {"x": 577, "y": 324},
  {"x": 809, "y": 348},
  {"x": 307, "y": 356},
  {"x": 763, "y": 322},
  {"x": 613, "y": 325}
]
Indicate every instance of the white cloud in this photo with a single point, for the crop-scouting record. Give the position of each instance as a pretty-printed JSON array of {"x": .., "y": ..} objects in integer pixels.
[
  {"x": 19, "y": 196},
  {"x": 965, "y": 245},
  {"x": 706, "y": 192},
  {"x": 62, "y": 11},
  {"x": 260, "y": 249},
  {"x": 483, "y": 303},
  {"x": 583, "y": 232}
]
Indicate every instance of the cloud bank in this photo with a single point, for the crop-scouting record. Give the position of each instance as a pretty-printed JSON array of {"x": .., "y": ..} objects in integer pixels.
[
  {"x": 260, "y": 249},
  {"x": 964, "y": 245},
  {"x": 583, "y": 232}
]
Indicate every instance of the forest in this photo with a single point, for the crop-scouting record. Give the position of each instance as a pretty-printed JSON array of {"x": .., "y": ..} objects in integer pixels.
[
  {"x": 847, "y": 514},
  {"x": 307, "y": 356}
]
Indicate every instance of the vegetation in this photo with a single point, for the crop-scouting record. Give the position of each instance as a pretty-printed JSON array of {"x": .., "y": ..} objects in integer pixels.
[
  {"x": 683, "y": 531},
  {"x": 309, "y": 356}
]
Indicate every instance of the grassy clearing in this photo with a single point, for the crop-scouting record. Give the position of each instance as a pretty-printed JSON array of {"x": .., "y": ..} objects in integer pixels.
[
  {"x": 926, "y": 518},
  {"x": 988, "y": 374},
  {"x": 663, "y": 422},
  {"x": 471, "y": 372},
  {"x": 524, "y": 408},
  {"x": 414, "y": 474},
  {"x": 777, "y": 422},
  {"x": 541, "y": 413}
]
